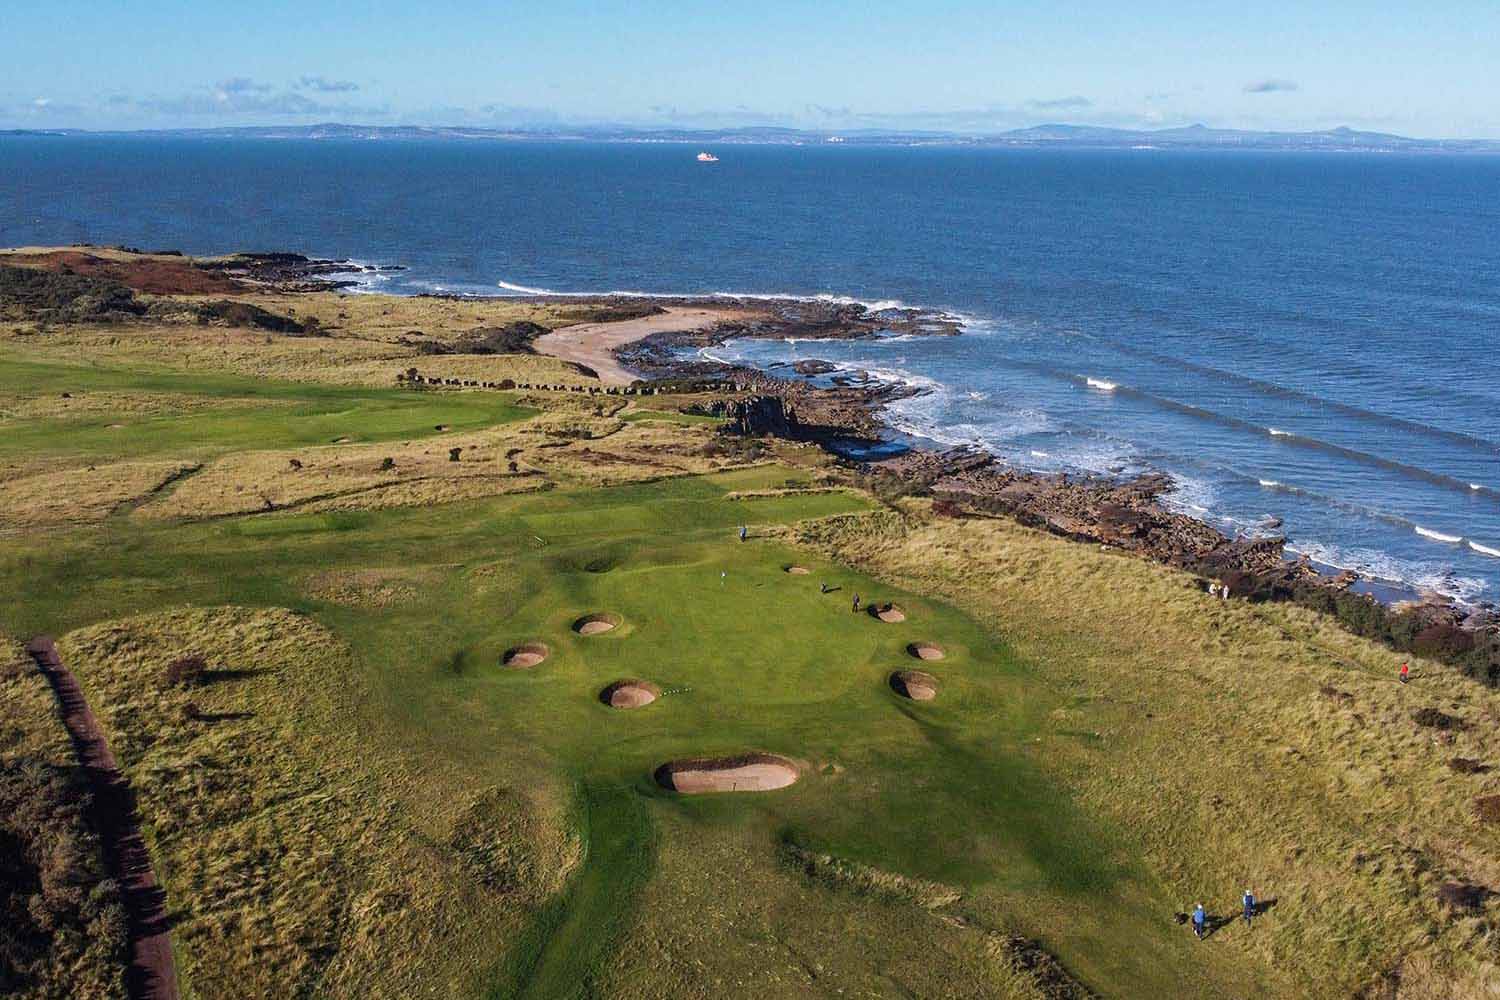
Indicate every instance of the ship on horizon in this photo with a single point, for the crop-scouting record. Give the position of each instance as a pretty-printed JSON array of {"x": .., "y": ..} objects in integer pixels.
[{"x": 707, "y": 157}]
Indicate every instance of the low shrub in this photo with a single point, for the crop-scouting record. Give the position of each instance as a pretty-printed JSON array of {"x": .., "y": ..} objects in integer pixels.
[{"x": 185, "y": 671}]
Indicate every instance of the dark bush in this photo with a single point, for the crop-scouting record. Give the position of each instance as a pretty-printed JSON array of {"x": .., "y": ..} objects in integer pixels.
[
  {"x": 1434, "y": 719},
  {"x": 1462, "y": 896},
  {"x": 947, "y": 508},
  {"x": 1442, "y": 642},
  {"x": 513, "y": 338},
  {"x": 185, "y": 671},
  {"x": 1467, "y": 765},
  {"x": 62, "y": 926},
  {"x": 387, "y": 464},
  {"x": 243, "y": 314},
  {"x": 64, "y": 296},
  {"x": 1487, "y": 808}
]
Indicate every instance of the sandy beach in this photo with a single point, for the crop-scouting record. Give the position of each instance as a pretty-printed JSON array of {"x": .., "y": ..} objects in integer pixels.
[{"x": 593, "y": 344}]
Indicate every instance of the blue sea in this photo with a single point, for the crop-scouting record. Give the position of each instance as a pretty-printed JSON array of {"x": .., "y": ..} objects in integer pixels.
[{"x": 1314, "y": 338}]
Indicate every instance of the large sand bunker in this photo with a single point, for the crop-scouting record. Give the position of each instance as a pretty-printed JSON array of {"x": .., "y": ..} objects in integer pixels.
[
  {"x": 888, "y": 612},
  {"x": 918, "y": 685},
  {"x": 596, "y": 624},
  {"x": 753, "y": 772},
  {"x": 797, "y": 570},
  {"x": 925, "y": 650},
  {"x": 629, "y": 694},
  {"x": 528, "y": 654}
]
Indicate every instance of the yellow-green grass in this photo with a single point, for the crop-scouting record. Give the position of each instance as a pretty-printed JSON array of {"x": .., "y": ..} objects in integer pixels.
[
  {"x": 748, "y": 657},
  {"x": 30, "y": 725},
  {"x": 1244, "y": 746}
]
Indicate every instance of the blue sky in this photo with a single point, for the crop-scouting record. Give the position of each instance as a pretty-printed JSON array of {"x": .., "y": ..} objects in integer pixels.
[{"x": 1424, "y": 69}]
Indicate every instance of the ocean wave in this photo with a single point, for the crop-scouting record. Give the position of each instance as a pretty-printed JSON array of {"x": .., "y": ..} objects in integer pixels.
[
  {"x": 1285, "y": 392},
  {"x": 367, "y": 277},
  {"x": 870, "y": 305},
  {"x": 1437, "y": 536},
  {"x": 1099, "y": 383},
  {"x": 1284, "y": 436},
  {"x": 1484, "y": 549},
  {"x": 1384, "y": 567},
  {"x": 524, "y": 289},
  {"x": 1190, "y": 495}
]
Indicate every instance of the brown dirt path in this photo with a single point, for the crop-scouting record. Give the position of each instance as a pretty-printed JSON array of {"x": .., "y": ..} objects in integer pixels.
[
  {"x": 152, "y": 974},
  {"x": 592, "y": 344}
]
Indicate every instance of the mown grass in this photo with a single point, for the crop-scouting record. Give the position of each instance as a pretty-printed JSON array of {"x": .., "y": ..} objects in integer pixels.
[{"x": 307, "y": 414}]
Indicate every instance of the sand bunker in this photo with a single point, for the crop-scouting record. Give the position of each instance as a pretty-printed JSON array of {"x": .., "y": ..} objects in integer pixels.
[
  {"x": 753, "y": 772},
  {"x": 889, "y": 613},
  {"x": 797, "y": 570},
  {"x": 527, "y": 654},
  {"x": 918, "y": 685},
  {"x": 596, "y": 624},
  {"x": 630, "y": 694},
  {"x": 925, "y": 650}
]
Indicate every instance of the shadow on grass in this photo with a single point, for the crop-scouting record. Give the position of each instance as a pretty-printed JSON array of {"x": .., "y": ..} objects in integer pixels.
[{"x": 560, "y": 954}]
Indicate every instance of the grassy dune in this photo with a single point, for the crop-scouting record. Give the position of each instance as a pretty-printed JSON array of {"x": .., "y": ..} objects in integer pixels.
[{"x": 1242, "y": 746}]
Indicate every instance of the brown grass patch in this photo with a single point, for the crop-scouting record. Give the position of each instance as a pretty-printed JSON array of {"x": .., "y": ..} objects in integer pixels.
[
  {"x": 64, "y": 925},
  {"x": 83, "y": 495},
  {"x": 369, "y": 588},
  {"x": 296, "y": 835}
]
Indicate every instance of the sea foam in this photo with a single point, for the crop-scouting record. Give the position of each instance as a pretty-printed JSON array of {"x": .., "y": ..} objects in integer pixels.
[{"x": 1438, "y": 536}]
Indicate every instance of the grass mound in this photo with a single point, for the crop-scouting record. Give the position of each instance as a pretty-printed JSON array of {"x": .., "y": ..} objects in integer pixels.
[
  {"x": 295, "y": 838},
  {"x": 918, "y": 685},
  {"x": 526, "y": 655},
  {"x": 753, "y": 772},
  {"x": 597, "y": 623},
  {"x": 630, "y": 694}
]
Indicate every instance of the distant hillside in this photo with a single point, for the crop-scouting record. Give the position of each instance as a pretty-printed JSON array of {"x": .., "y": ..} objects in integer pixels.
[{"x": 1052, "y": 135}]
